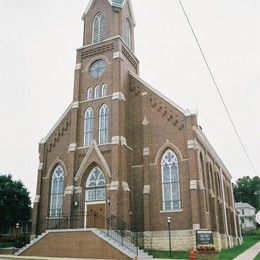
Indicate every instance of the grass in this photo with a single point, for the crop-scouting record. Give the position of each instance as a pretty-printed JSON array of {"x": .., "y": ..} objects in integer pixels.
[
  {"x": 6, "y": 244},
  {"x": 166, "y": 254},
  {"x": 226, "y": 254},
  {"x": 231, "y": 253}
]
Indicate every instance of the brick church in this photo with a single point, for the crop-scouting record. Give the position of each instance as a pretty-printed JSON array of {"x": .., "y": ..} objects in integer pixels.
[{"x": 123, "y": 150}]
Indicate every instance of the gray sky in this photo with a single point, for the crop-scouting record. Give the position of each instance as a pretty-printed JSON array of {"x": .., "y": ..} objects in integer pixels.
[{"x": 38, "y": 44}]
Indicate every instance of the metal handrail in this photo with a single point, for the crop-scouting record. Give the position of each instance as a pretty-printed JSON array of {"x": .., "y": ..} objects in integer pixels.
[{"x": 113, "y": 227}]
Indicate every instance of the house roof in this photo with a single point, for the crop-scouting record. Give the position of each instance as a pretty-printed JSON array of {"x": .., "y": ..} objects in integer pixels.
[
  {"x": 114, "y": 3},
  {"x": 242, "y": 205}
]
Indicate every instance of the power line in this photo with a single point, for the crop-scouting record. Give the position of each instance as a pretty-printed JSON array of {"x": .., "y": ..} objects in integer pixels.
[{"x": 216, "y": 86}]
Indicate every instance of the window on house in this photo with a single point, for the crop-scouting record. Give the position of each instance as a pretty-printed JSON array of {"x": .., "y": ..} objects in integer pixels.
[
  {"x": 90, "y": 94},
  {"x": 170, "y": 181},
  {"x": 104, "y": 90},
  {"x": 6, "y": 230},
  {"x": 88, "y": 127},
  {"x": 103, "y": 124},
  {"x": 98, "y": 33},
  {"x": 96, "y": 186},
  {"x": 128, "y": 37},
  {"x": 97, "y": 92},
  {"x": 57, "y": 188}
]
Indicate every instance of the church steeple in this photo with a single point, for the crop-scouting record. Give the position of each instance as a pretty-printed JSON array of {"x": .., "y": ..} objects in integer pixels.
[{"x": 105, "y": 19}]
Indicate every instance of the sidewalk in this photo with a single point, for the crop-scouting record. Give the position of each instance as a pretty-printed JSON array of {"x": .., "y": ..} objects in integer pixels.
[{"x": 250, "y": 253}]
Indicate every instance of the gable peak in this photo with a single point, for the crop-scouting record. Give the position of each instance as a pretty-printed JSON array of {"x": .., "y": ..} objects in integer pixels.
[{"x": 113, "y": 3}]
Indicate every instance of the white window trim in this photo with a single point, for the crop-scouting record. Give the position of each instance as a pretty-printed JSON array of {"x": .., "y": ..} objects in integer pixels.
[
  {"x": 85, "y": 132},
  {"x": 99, "y": 129},
  {"x": 162, "y": 183}
]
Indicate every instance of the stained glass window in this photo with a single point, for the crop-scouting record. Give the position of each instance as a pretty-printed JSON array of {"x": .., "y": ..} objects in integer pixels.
[
  {"x": 97, "y": 68},
  {"x": 104, "y": 90},
  {"x": 97, "y": 92},
  {"x": 57, "y": 188},
  {"x": 128, "y": 38},
  {"x": 170, "y": 181},
  {"x": 88, "y": 127},
  {"x": 103, "y": 124},
  {"x": 99, "y": 28},
  {"x": 90, "y": 94},
  {"x": 96, "y": 186}
]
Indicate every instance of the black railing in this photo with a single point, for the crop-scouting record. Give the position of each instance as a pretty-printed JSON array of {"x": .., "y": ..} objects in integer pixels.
[{"x": 113, "y": 227}]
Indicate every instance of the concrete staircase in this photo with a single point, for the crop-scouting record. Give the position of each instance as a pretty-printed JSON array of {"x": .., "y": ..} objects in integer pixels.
[{"x": 104, "y": 236}]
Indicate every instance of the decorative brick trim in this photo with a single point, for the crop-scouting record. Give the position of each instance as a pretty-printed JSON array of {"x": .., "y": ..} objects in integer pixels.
[
  {"x": 78, "y": 66},
  {"x": 118, "y": 55},
  {"x": 125, "y": 186},
  {"x": 192, "y": 144},
  {"x": 40, "y": 167},
  {"x": 118, "y": 96},
  {"x": 69, "y": 190},
  {"x": 146, "y": 151},
  {"x": 145, "y": 121},
  {"x": 193, "y": 185},
  {"x": 147, "y": 189},
  {"x": 72, "y": 148},
  {"x": 75, "y": 105},
  {"x": 97, "y": 51},
  {"x": 129, "y": 57},
  {"x": 37, "y": 199},
  {"x": 113, "y": 186}
]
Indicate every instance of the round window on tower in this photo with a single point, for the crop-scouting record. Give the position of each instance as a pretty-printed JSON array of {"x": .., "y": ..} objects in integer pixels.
[{"x": 97, "y": 68}]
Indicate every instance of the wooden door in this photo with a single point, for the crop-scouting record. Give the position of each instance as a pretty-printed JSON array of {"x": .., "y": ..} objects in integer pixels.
[{"x": 96, "y": 216}]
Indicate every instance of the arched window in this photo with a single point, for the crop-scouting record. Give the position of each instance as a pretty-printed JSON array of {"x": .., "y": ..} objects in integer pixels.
[
  {"x": 57, "y": 187},
  {"x": 96, "y": 186},
  {"x": 98, "y": 32},
  {"x": 90, "y": 94},
  {"x": 103, "y": 124},
  {"x": 88, "y": 127},
  {"x": 97, "y": 92},
  {"x": 104, "y": 90},
  {"x": 170, "y": 181},
  {"x": 128, "y": 38}
]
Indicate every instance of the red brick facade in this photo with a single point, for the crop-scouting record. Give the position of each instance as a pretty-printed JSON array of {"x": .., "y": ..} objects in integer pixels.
[{"x": 143, "y": 125}]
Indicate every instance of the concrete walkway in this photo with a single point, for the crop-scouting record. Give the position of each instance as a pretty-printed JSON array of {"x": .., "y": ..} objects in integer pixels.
[{"x": 250, "y": 253}]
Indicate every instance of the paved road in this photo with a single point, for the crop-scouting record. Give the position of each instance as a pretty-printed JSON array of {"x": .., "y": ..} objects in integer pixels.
[{"x": 250, "y": 254}]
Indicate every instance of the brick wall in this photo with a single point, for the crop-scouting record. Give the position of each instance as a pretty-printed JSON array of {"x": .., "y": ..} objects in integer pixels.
[{"x": 74, "y": 244}]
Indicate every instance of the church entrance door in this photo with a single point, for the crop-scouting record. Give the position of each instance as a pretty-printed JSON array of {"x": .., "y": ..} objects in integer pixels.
[{"x": 95, "y": 217}]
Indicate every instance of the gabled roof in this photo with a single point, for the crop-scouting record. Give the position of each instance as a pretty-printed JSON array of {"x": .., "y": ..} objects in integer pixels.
[
  {"x": 114, "y": 3},
  {"x": 242, "y": 205}
]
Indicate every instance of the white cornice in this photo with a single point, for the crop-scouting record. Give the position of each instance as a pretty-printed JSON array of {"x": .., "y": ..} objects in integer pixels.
[
  {"x": 158, "y": 93},
  {"x": 56, "y": 125},
  {"x": 202, "y": 137}
]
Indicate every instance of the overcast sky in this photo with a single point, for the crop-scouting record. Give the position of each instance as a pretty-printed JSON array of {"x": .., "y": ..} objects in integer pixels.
[{"x": 38, "y": 42}]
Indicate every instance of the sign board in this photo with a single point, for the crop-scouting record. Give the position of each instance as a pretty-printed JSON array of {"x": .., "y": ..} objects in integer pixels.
[
  {"x": 257, "y": 217},
  {"x": 204, "y": 237}
]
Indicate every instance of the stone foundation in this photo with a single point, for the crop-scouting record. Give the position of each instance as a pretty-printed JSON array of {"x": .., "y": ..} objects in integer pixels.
[{"x": 183, "y": 240}]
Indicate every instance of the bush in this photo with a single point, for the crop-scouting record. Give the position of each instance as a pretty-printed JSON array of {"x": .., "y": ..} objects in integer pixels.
[{"x": 21, "y": 242}]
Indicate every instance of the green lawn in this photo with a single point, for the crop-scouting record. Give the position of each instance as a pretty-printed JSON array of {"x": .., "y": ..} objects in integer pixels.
[
  {"x": 249, "y": 241},
  {"x": 225, "y": 254},
  {"x": 166, "y": 254}
]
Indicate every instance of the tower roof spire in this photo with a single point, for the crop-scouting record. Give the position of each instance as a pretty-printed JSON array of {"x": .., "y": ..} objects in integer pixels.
[{"x": 114, "y": 3}]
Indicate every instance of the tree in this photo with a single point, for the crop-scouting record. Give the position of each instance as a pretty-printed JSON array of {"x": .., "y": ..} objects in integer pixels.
[
  {"x": 15, "y": 203},
  {"x": 247, "y": 189}
]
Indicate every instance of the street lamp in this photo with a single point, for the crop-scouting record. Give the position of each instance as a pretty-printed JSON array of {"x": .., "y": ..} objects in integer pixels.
[
  {"x": 169, "y": 230},
  {"x": 17, "y": 230}
]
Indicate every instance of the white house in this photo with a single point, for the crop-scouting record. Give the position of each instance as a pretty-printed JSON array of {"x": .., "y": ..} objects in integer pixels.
[{"x": 246, "y": 214}]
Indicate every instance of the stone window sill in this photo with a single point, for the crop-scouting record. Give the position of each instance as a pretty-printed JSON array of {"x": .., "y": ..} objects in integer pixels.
[{"x": 171, "y": 211}]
